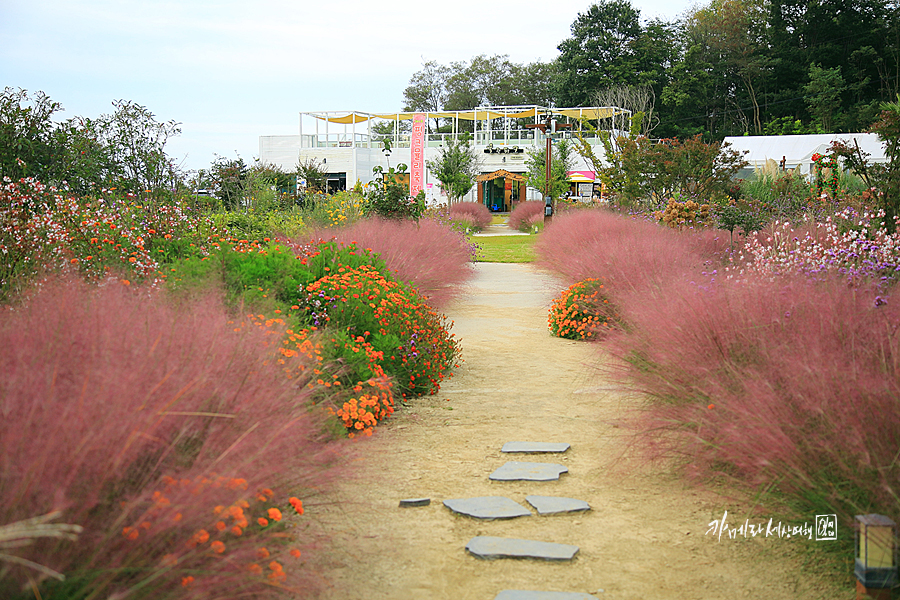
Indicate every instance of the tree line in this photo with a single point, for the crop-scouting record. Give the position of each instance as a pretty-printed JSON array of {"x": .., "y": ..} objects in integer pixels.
[{"x": 730, "y": 67}]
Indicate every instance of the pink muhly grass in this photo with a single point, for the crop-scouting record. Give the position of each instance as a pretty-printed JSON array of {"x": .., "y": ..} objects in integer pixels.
[
  {"x": 628, "y": 255},
  {"x": 476, "y": 211},
  {"x": 431, "y": 257},
  {"x": 107, "y": 392},
  {"x": 521, "y": 216},
  {"x": 785, "y": 382}
]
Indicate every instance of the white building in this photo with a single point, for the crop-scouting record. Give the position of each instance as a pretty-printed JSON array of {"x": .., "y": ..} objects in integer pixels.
[{"x": 348, "y": 147}]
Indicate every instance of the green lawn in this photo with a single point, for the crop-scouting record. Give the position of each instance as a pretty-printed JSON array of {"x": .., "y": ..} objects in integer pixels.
[{"x": 505, "y": 248}]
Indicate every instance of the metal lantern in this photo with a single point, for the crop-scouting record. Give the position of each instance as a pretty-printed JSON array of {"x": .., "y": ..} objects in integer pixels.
[{"x": 876, "y": 561}]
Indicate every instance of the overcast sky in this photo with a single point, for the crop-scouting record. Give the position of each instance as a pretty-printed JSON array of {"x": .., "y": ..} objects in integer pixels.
[{"x": 231, "y": 71}]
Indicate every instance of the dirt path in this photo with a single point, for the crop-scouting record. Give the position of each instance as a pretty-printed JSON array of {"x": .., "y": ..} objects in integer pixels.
[{"x": 645, "y": 537}]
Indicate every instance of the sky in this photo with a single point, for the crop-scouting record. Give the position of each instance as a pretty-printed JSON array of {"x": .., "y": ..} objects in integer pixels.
[{"x": 231, "y": 71}]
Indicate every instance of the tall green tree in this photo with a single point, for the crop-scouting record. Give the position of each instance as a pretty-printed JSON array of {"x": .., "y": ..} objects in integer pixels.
[
  {"x": 456, "y": 167},
  {"x": 823, "y": 97},
  {"x": 562, "y": 162},
  {"x": 600, "y": 53}
]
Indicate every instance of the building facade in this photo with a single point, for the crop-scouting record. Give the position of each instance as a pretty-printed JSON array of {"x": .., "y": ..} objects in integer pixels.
[{"x": 349, "y": 145}]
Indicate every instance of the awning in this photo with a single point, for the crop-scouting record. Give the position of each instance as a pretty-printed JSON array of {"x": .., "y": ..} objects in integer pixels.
[
  {"x": 501, "y": 173},
  {"x": 591, "y": 113},
  {"x": 581, "y": 176}
]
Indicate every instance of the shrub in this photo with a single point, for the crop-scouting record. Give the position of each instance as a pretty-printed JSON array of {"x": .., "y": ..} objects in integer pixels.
[
  {"x": 581, "y": 312},
  {"x": 412, "y": 341},
  {"x": 477, "y": 212},
  {"x": 521, "y": 216},
  {"x": 429, "y": 256},
  {"x": 180, "y": 455}
]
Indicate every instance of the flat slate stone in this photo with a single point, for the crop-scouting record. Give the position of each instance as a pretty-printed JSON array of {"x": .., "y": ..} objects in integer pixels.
[
  {"x": 534, "y": 447},
  {"x": 411, "y": 502},
  {"x": 551, "y": 505},
  {"x": 487, "y": 507},
  {"x": 484, "y": 546},
  {"x": 528, "y": 471},
  {"x": 531, "y": 595}
]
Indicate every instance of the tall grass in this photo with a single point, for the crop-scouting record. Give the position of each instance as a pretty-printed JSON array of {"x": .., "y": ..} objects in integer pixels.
[
  {"x": 521, "y": 216},
  {"x": 142, "y": 421},
  {"x": 431, "y": 257},
  {"x": 474, "y": 211},
  {"x": 781, "y": 382}
]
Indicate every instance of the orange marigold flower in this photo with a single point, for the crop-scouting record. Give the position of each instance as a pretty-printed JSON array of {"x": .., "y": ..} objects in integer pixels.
[
  {"x": 262, "y": 552},
  {"x": 262, "y": 522},
  {"x": 295, "y": 553},
  {"x": 274, "y": 514},
  {"x": 186, "y": 581},
  {"x": 218, "y": 509},
  {"x": 275, "y": 566},
  {"x": 297, "y": 504},
  {"x": 237, "y": 530},
  {"x": 217, "y": 547},
  {"x": 255, "y": 568},
  {"x": 221, "y": 526}
]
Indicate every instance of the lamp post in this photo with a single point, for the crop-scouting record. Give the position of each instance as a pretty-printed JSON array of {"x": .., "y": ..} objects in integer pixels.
[
  {"x": 876, "y": 562},
  {"x": 548, "y": 128}
]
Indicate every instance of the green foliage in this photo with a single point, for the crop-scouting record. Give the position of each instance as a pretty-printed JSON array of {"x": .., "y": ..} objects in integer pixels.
[
  {"x": 228, "y": 177},
  {"x": 413, "y": 341},
  {"x": 823, "y": 97},
  {"x": 388, "y": 196},
  {"x": 779, "y": 194},
  {"x": 602, "y": 51},
  {"x": 456, "y": 167},
  {"x": 644, "y": 171},
  {"x": 26, "y": 135},
  {"x": 732, "y": 216},
  {"x": 562, "y": 162},
  {"x": 883, "y": 177},
  {"x": 313, "y": 173}
]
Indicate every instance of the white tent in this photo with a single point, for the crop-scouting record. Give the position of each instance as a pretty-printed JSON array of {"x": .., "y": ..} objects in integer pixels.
[{"x": 797, "y": 150}]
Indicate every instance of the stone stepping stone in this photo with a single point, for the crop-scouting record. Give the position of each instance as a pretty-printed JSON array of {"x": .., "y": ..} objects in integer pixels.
[
  {"x": 412, "y": 502},
  {"x": 534, "y": 447},
  {"x": 532, "y": 595},
  {"x": 487, "y": 507},
  {"x": 554, "y": 505},
  {"x": 490, "y": 547},
  {"x": 528, "y": 471}
]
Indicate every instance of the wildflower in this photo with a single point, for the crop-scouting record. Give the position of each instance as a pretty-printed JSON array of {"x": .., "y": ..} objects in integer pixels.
[
  {"x": 297, "y": 504},
  {"x": 217, "y": 547},
  {"x": 295, "y": 553},
  {"x": 187, "y": 581},
  {"x": 262, "y": 553},
  {"x": 255, "y": 568},
  {"x": 237, "y": 530},
  {"x": 274, "y": 514},
  {"x": 262, "y": 522}
]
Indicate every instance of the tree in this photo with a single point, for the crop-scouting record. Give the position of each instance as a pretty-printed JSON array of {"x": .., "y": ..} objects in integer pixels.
[
  {"x": 456, "y": 167},
  {"x": 136, "y": 144},
  {"x": 26, "y": 134},
  {"x": 823, "y": 96},
  {"x": 314, "y": 173},
  {"x": 600, "y": 52},
  {"x": 427, "y": 89},
  {"x": 560, "y": 166},
  {"x": 228, "y": 177}
]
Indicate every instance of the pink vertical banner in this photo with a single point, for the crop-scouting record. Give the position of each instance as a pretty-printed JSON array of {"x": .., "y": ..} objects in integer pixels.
[{"x": 417, "y": 147}]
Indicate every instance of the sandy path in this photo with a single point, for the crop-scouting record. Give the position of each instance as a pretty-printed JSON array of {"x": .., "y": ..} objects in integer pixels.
[{"x": 645, "y": 537}]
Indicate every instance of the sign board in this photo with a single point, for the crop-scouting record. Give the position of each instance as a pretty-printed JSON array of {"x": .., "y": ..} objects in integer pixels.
[
  {"x": 417, "y": 148},
  {"x": 585, "y": 189}
]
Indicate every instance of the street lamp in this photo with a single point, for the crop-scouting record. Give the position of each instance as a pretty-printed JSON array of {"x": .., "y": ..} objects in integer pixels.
[
  {"x": 549, "y": 129},
  {"x": 876, "y": 564}
]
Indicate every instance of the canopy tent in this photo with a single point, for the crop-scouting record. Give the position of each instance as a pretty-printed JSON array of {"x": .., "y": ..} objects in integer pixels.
[
  {"x": 479, "y": 114},
  {"x": 581, "y": 176},
  {"x": 797, "y": 150}
]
